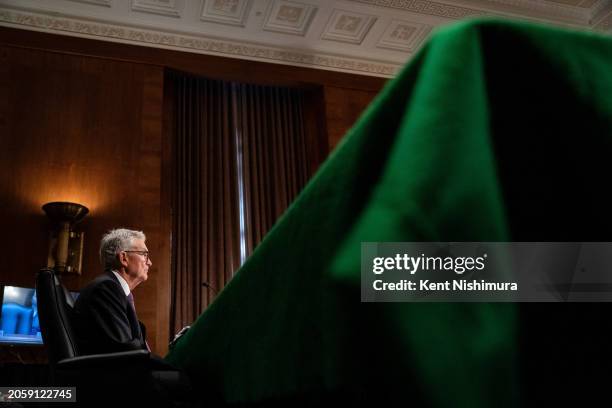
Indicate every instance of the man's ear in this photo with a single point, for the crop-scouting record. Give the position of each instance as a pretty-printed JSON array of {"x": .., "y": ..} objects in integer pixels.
[{"x": 123, "y": 260}]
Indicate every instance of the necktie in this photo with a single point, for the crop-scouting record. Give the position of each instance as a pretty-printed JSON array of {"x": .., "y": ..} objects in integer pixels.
[{"x": 130, "y": 298}]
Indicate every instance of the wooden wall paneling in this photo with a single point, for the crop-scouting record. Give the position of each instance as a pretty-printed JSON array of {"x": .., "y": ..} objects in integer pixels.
[
  {"x": 343, "y": 106},
  {"x": 315, "y": 127},
  {"x": 87, "y": 130},
  {"x": 149, "y": 204},
  {"x": 346, "y": 94},
  {"x": 164, "y": 286}
]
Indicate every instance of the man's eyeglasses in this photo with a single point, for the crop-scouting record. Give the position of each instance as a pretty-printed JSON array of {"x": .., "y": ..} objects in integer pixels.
[{"x": 142, "y": 253}]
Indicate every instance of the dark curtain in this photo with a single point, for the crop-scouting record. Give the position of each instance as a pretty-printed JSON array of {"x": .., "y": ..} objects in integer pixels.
[
  {"x": 205, "y": 245},
  {"x": 234, "y": 146},
  {"x": 274, "y": 154}
]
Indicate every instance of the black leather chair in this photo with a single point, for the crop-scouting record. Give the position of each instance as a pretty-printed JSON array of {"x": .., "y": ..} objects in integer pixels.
[{"x": 132, "y": 376}]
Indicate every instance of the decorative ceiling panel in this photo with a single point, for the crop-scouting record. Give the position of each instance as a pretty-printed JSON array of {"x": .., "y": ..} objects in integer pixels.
[
  {"x": 404, "y": 35},
  {"x": 163, "y": 7},
  {"x": 347, "y": 26},
  {"x": 289, "y": 17},
  {"x": 106, "y": 3},
  {"x": 232, "y": 12}
]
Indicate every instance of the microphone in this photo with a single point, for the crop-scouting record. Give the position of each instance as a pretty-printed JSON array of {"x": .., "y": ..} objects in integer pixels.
[
  {"x": 209, "y": 286},
  {"x": 177, "y": 336}
]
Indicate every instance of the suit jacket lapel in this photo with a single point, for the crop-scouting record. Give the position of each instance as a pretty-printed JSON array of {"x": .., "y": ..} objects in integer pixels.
[{"x": 131, "y": 314}]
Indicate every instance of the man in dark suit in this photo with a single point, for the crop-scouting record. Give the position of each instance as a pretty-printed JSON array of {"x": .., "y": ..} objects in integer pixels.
[{"x": 105, "y": 318}]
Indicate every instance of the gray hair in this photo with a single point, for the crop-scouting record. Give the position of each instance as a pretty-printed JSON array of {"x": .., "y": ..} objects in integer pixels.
[{"x": 115, "y": 241}]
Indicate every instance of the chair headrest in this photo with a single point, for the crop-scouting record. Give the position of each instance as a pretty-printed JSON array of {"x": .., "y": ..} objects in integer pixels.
[{"x": 55, "y": 305}]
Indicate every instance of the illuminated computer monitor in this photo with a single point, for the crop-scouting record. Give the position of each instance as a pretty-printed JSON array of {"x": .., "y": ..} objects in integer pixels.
[{"x": 19, "y": 317}]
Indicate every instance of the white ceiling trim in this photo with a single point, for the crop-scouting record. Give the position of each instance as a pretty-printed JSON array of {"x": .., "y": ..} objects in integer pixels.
[{"x": 99, "y": 29}]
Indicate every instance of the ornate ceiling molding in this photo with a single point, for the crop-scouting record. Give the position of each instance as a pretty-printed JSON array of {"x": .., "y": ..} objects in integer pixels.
[
  {"x": 550, "y": 10},
  {"x": 602, "y": 19},
  {"x": 600, "y": 8},
  {"x": 431, "y": 8},
  {"x": 460, "y": 9},
  {"x": 367, "y": 37},
  {"x": 99, "y": 29},
  {"x": 605, "y": 23}
]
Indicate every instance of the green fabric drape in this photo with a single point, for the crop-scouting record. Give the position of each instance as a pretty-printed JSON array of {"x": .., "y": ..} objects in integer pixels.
[{"x": 456, "y": 148}]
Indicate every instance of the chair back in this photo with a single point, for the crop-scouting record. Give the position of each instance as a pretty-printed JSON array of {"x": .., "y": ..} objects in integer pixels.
[{"x": 55, "y": 305}]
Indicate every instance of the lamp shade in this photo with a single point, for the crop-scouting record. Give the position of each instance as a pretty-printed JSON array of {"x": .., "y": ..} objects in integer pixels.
[{"x": 61, "y": 211}]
